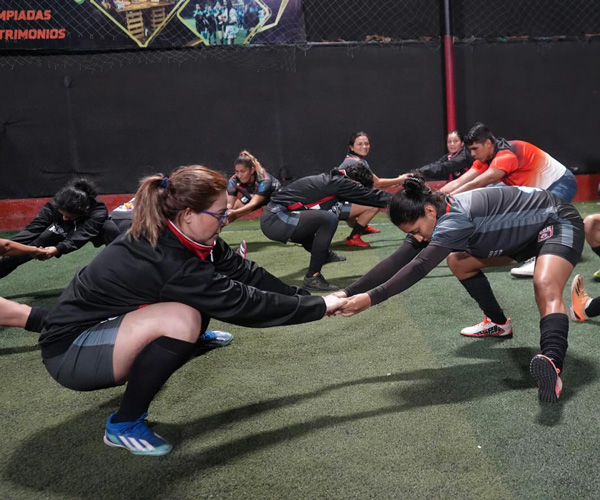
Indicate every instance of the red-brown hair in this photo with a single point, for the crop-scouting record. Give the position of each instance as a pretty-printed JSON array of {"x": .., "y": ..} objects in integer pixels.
[{"x": 160, "y": 198}]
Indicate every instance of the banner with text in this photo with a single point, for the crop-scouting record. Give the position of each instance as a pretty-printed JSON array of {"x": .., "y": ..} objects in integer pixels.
[{"x": 118, "y": 24}]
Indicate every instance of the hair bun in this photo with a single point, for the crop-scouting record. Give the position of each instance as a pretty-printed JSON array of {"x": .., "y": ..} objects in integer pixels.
[{"x": 415, "y": 188}]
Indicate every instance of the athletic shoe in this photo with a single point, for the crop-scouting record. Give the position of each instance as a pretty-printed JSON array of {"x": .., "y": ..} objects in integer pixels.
[
  {"x": 487, "y": 328},
  {"x": 597, "y": 275},
  {"x": 525, "y": 270},
  {"x": 319, "y": 284},
  {"x": 242, "y": 249},
  {"x": 356, "y": 241},
  {"x": 579, "y": 300},
  {"x": 371, "y": 230},
  {"x": 135, "y": 437},
  {"x": 334, "y": 257},
  {"x": 547, "y": 377},
  {"x": 215, "y": 338}
]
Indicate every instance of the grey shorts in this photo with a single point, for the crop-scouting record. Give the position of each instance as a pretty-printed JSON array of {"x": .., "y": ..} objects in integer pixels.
[
  {"x": 88, "y": 364},
  {"x": 565, "y": 238}
]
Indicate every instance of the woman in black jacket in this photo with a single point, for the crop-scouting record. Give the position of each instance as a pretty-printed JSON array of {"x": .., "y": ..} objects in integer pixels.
[
  {"x": 72, "y": 218},
  {"x": 452, "y": 165},
  {"x": 307, "y": 211},
  {"x": 136, "y": 312}
]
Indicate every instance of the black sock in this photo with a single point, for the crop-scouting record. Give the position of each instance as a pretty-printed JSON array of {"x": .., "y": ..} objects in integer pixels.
[
  {"x": 357, "y": 229},
  {"x": 479, "y": 288},
  {"x": 596, "y": 250},
  {"x": 150, "y": 370},
  {"x": 554, "y": 330},
  {"x": 594, "y": 308},
  {"x": 35, "y": 320}
]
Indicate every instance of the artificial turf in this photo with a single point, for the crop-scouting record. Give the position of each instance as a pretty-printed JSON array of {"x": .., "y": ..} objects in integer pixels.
[{"x": 391, "y": 403}]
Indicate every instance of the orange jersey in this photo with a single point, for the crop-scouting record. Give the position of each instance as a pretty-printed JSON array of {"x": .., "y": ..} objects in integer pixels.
[{"x": 525, "y": 165}]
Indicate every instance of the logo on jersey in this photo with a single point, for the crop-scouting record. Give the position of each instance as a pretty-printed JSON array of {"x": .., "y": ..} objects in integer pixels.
[
  {"x": 495, "y": 253},
  {"x": 545, "y": 234}
]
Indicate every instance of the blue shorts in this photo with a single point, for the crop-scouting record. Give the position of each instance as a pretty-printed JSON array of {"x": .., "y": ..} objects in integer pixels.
[
  {"x": 565, "y": 187},
  {"x": 88, "y": 364}
]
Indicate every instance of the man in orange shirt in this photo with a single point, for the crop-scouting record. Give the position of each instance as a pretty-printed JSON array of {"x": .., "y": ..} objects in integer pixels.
[{"x": 514, "y": 163}]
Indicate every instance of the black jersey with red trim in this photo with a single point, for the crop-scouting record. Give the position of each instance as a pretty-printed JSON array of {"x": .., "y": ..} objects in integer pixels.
[
  {"x": 264, "y": 184},
  {"x": 323, "y": 191},
  {"x": 489, "y": 222},
  {"x": 128, "y": 274},
  {"x": 353, "y": 159}
]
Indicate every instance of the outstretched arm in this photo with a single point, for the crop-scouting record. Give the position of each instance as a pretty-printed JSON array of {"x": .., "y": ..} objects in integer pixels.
[
  {"x": 252, "y": 205},
  {"x": 12, "y": 248},
  {"x": 406, "y": 277},
  {"x": 490, "y": 176},
  {"x": 451, "y": 187}
]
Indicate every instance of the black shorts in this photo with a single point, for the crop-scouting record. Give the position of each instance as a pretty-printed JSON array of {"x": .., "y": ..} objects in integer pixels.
[
  {"x": 88, "y": 363},
  {"x": 564, "y": 238}
]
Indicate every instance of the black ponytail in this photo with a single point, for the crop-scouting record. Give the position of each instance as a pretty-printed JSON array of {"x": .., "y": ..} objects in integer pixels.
[
  {"x": 76, "y": 197},
  {"x": 409, "y": 205}
]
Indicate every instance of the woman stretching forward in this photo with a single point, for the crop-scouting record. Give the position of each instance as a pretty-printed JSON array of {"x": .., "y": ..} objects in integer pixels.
[
  {"x": 135, "y": 313},
  {"x": 481, "y": 228}
]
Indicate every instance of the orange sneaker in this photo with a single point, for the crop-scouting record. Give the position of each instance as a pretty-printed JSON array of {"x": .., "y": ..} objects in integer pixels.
[
  {"x": 579, "y": 300},
  {"x": 547, "y": 377},
  {"x": 356, "y": 241},
  {"x": 372, "y": 230}
]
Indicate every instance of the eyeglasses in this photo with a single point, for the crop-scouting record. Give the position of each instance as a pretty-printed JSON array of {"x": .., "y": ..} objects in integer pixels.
[{"x": 222, "y": 217}]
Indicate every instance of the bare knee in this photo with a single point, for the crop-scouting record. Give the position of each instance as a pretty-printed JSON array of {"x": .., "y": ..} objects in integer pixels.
[
  {"x": 592, "y": 229},
  {"x": 184, "y": 322},
  {"x": 456, "y": 263}
]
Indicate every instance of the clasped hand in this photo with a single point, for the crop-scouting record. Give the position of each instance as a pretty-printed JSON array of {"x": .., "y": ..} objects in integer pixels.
[{"x": 338, "y": 304}]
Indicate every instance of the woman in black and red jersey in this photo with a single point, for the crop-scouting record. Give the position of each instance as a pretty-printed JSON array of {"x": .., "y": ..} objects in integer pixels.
[
  {"x": 359, "y": 146},
  {"x": 137, "y": 310},
  {"x": 485, "y": 227},
  {"x": 250, "y": 187},
  {"x": 452, "y": 165},
  {"x": 307, "y": 211}
]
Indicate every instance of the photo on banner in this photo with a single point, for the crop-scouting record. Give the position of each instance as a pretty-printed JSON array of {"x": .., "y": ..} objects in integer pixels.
[
  {"x": 141, "y": 20},
  {"x": 237, "y": 22}
]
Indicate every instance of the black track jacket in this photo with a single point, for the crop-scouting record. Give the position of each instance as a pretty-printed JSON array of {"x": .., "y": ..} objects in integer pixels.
[{"x": 128, "y": 274}]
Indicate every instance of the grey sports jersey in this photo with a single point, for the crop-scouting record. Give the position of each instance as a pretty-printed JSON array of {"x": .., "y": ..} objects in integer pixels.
[{"x": 492, "y": 222}]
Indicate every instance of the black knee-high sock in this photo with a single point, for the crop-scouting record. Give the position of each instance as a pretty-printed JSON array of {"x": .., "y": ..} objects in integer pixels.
[
  {"x": 479, "y": 288},
  {"x": 596, "y": 250},
  {"x": 357, "y": 229},
  {"x": 594, "y": 308},
  {"x": 554, "y": 330},
  {"x": 35, "y": 320},
  {"x": 150, "y": 370}
]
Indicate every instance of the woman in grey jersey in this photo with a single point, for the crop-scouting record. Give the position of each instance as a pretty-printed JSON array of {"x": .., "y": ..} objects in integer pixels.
[{"x": 474, "y": 230}]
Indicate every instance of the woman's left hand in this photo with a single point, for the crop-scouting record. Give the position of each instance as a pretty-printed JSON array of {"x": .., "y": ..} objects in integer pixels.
[{"x": 356, "y": 304}]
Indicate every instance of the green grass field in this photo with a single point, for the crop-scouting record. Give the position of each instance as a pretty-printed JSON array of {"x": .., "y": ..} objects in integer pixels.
[{"x": 392, "y": 403}]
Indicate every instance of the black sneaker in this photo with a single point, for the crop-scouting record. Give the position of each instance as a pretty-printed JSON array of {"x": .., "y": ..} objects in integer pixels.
[
  {"x": 318, "y": 284},
  {"x": 335, "y": 257}
]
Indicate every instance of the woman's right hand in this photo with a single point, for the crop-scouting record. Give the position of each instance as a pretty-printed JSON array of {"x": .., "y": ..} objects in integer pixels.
[{"x": 334, "y": 303}]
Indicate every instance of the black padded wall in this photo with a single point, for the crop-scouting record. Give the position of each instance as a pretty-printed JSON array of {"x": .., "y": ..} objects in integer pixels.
[
  {"x": 126, "y": 120},
  {"x": 118, "y": 124}
]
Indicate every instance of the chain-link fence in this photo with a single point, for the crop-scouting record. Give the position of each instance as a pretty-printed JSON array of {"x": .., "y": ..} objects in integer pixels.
[{"x": 267, "y": 33}]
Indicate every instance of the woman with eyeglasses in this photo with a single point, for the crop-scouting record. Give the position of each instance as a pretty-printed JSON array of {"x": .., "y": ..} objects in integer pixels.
[{"x": 135, "y": 313}]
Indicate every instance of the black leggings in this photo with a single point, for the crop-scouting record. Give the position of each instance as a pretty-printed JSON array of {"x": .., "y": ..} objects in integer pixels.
[{"x": 314, "y": 232}]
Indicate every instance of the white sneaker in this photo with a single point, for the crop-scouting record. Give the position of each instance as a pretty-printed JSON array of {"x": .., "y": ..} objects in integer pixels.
[
  {"x": 525, "y": 270},
  {"x": 487, "y": 328}
]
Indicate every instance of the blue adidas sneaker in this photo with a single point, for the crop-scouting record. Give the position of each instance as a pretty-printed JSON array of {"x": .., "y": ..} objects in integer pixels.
[
  {"x": 135, "y": 437},
  {"x": 214, "y": 338}
]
